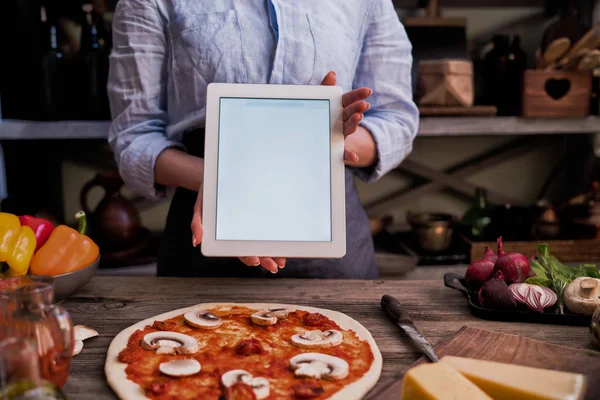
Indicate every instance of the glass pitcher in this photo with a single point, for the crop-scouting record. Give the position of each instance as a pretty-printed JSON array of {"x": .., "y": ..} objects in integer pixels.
[
  {"x": 27, "y": 311},
  {"x": 20, "y": 373}
]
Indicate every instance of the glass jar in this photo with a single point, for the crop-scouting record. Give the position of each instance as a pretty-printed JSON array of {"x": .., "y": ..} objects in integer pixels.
[
  {"x": 20, "y": 372},
  {"x": 27, "y": 312}
]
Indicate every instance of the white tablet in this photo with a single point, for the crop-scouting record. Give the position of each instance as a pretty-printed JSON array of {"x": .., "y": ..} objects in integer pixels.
[{"x": 274, "y": 172}]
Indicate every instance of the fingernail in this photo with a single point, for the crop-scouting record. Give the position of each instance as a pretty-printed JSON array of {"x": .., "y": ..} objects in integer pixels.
[
  {"x": 368, "y": 105},
  {"x": 194, "y": 243},
  {"x": 283, "y": 266},
  {"x": 257, "y": 264},
  {"x": 370, "y": 92},
  {"x": 273, "y": 272},
  {"x": 333, "y": 73},
  {"x": 361, "y": 117}
]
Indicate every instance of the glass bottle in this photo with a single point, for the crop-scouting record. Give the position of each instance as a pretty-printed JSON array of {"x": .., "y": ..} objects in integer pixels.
[
  {"x": 494, "y": 71},
  {"x": 20, "y": 372},
  {"x": 477, "y": 218},
  {"x": 516, "y": 64},
  {"x": 92, "y": 68},
  {"x": 52, "y": 69}
]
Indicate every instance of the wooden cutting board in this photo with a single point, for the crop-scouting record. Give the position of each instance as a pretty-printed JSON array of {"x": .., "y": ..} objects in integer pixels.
[{"x": 511, "y": 349}]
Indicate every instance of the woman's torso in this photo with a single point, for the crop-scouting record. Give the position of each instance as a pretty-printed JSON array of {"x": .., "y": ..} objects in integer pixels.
[
  {"x": 234, "y": 41},
  {"x": 241, "y": 41}
]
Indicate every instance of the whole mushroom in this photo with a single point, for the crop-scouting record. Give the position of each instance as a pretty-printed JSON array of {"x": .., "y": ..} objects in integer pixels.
[{"x": 582, "y": 296}]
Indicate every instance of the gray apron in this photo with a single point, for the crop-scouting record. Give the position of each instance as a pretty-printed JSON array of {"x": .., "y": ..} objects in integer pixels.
[{"x": 177, "y": 256}]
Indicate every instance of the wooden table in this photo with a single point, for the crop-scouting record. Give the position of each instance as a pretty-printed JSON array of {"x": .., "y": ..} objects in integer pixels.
[{"x": 110, "y": 304}]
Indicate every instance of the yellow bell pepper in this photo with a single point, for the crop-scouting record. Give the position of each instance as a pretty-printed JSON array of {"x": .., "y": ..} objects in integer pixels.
[
  {"x": 17, "y": 244},
  {"x": 11, "y": 272}
]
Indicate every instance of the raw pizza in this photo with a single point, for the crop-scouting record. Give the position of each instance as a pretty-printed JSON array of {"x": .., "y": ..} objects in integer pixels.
[{"x": 244, "y": 351}]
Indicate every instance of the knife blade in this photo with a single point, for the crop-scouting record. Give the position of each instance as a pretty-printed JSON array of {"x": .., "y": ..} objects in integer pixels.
[{"x": 395, "y": 310}]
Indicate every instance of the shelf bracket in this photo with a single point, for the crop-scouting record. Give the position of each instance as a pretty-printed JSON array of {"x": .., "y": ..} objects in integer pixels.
[{"x": 452, "y": 178}]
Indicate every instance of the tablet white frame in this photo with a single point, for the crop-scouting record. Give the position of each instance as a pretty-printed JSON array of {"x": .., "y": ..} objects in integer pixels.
[{"x": 211, "y": 247}]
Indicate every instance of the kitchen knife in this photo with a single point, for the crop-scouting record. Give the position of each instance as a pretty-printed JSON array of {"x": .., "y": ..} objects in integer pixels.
[{"x": 401, "y": 317}]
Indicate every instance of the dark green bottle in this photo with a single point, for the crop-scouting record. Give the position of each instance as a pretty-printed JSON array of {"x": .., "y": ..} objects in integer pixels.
[{"x": 478, "y": 217}]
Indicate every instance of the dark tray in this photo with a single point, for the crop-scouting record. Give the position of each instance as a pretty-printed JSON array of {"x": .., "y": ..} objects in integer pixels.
[{"x": 455, "y": 281}]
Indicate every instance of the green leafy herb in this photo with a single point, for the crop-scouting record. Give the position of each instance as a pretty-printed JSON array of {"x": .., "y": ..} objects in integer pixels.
[
  {"x": 540, "y": 273},
  {"x": 540, "y": 281},
  {"x": 548, "y": 273},
  {"x": 551, "y": 273},
  {"x": 586, "y": 270}
]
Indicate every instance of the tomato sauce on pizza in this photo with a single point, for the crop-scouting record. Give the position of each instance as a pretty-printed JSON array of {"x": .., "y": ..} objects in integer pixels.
[{"x": 263, "y": 351}]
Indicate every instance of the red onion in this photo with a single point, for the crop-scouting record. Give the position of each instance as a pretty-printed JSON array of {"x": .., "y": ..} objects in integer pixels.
[
  {"x": 489, "y": 255},
  {"x": 533, "y": 296},
  {"x": 495, "y": 293},
  {"x": 514, "y": 266},
  {"x": 479, "y": 272}
]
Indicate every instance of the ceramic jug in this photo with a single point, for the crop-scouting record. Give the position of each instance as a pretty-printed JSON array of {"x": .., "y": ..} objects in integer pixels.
[
  {"x": 115, "y": 222},
  {"x": 27, "y": 311}
]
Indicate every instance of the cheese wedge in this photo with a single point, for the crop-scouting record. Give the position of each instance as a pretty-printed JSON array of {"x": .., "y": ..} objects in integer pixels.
[
  {"x": 438, "y": 382},
  {"x": 509, "y": 381}
]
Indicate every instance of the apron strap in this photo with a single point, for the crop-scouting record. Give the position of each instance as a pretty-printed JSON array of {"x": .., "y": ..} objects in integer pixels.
[{"x": 193, "y": 141}]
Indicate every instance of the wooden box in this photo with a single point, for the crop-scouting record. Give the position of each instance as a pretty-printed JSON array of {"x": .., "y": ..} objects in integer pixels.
[
  {"x": 567, "y": 251},
  {"x": 445, "y": 83},
  {"x": 557, "y": 94}
]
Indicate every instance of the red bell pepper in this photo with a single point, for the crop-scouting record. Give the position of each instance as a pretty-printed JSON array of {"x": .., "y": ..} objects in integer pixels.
[{"x": 41, "y": 227}]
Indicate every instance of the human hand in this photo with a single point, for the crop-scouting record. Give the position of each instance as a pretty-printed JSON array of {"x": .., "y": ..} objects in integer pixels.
[
  {"x": 268, "y": 263},
  {"x": 354, "y": 106}
]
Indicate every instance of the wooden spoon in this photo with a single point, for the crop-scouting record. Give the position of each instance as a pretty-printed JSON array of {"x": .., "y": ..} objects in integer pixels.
[
  {"x": 574, "y": 60},
  {"x": 589, "y": 41},
  {"x": 555, "y": 50},
  {"x": 590, "y": 61}
]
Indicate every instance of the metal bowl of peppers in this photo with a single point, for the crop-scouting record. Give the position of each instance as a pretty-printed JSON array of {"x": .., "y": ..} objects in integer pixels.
[{"x": 34, "y": 246}]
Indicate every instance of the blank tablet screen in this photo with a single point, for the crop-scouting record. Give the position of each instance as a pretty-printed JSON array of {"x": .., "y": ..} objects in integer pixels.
[{"x": 274, "y": 172}]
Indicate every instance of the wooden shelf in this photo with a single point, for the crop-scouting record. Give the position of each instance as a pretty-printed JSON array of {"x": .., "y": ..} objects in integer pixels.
[
  {"x": 429, "y": 127},
  {"x": 29, "y": 130},
  {"x": 505, "y": 126},
  {"x": 410, "y": 4}
]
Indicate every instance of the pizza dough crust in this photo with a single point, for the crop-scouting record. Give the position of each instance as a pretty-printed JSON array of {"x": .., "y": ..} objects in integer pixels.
[{"x": 129, "y": 390}]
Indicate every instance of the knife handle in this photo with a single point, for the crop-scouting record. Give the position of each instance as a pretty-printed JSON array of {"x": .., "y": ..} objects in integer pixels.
[{"x": 394, "y": 308}]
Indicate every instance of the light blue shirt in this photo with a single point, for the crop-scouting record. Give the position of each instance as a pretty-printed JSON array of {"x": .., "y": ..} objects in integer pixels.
[{"x": 166, "y": 52}]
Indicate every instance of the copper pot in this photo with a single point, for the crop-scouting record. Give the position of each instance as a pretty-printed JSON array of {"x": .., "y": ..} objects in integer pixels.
[{"x": 433, "y": 231}]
